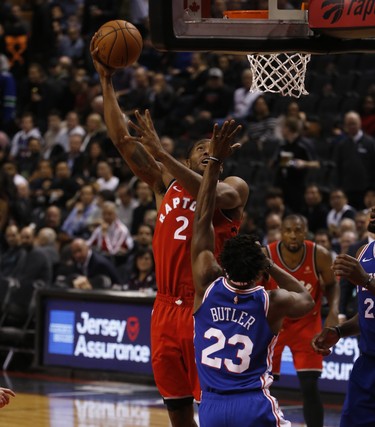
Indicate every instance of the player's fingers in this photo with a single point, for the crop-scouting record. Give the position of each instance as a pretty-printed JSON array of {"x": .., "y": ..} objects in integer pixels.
[
  {"x": 135, "y": 127},
  {"x": 9, "y": 391}
]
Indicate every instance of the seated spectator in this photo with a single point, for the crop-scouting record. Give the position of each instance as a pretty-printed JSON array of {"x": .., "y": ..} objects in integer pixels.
[
  {"x": 63, "y": 187},
  {"x": 146, "y": 202},
  {"x": 53, "y": 137},
  {"x": 87, "y": 269},
  {"x": 74, "y": 157},
  {"x": 126, "y": 204},
  {"x": 112, "y": 237},
  {"x": 84, "y": 210},
  {"x": 40, "y": 182},
  {"x": 142, "y": 277},
  {"x": 34, "y": 267},
  {"x": 106, "y": 180},
  {"x": 20, "y": 139},
  {"x": 10, "y": 257},
  {"x": 142, "y": 240},
  {"x": 27, "y": 160},
  {"x": 92, "y": 157},
  {"x": 361, "y": 221},
  {"x": 22, "y": 208},
  {"x": 46, "y": 240}
]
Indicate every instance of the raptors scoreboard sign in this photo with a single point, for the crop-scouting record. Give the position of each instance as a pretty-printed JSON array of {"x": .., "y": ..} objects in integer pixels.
[{"x": 103, "y": 334}]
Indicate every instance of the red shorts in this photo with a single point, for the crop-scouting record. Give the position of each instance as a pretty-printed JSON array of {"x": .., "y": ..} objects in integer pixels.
[
  {"x": 297, "y": 335},
  {"x": 173, "y": 358}
]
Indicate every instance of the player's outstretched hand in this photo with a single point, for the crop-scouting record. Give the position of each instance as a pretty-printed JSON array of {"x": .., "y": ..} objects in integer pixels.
[
  {"x": 222, "y": 139},
  {"x": 349, "y": 267},
  {"x": 5, "y": 394},
  {"x": 146, "y": 131},
  {"x": 323, "y": 342},
  {"x": 103, "y": 70}
]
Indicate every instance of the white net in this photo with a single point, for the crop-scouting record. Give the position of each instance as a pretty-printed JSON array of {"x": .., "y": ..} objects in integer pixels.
[{"x": 282, "y": 73}]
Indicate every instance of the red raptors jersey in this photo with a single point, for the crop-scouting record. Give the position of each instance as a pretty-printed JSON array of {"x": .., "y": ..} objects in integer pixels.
[
  {"x": 172, "y": 241},
  {"x": 306, "y": 273}
]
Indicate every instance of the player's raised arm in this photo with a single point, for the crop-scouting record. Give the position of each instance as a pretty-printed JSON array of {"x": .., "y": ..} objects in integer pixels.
[
  {"x": 132, "y": 151},
  {"x": 204, "y": 265},
  {"x": 230, "y": 194}
]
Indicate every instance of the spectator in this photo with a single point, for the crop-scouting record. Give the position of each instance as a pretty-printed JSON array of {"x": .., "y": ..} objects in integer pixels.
[
  {"x": 46, "y": 240},
  {"x": 361, "y": 221},
  {"x": 28, "y": 159},
  {"x": 146, "y": 202},
  {"x": 63, "y": 187},
  {"x": 33, "y": 267},
  {"x": 142, "y": 277},
  {"x": 95, "y": 131},
  {"x": 354, "y": 156},
  {"x": 367, "y": 113},
  {"x": 22, "y": 209},
  {"x": 163, "y": 98},
  {"x": 20, "y": 139},
  {"x": 243, "y": 99},
  {"x": 106, "y": 180},
  {"x": 13, "y": 254},
  {"x": 84, "y": 210},
  {"x": 92, "y": 157},
  {"x": 112, "y": 237},
  {"x": 339, "y": 210},
  {"x": 74, "y": 156},
  {"x": 292, "y": 162},
  {"x": 8, "y": 98},
  {"x": 53, "y": 137},
  {"x": 322, "y": 237},
  {"x": 275, "y": 203},
  {"x": 71, "y": 125},
  {"x": 214, "y": 100},
  {"x": 259, "y": 138},
  {"x": 7, "y": 194},
  {"x": 369, "y": 198},
  {"x": 137, "y": 97},
  {"x": 314, "y": 209},
  {"x": 94, "y": 270},
  {"x": 126, "y": 204},
  {"x": 37, "y": 95}
]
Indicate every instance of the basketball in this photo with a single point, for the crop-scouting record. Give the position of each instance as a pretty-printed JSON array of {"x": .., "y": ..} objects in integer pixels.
[{"x": 119, "y": 44}]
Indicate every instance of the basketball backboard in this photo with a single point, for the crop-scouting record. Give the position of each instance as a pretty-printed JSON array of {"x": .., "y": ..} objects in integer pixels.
[{"x": 190, "y": 25}]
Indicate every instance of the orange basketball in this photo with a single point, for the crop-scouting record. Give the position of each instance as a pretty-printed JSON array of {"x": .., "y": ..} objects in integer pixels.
[{"x": 119, "y": 44}]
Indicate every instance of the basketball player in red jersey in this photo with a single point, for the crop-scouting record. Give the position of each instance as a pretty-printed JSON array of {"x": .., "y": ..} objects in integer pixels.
[
  {"x": 175, "y": 187},
  {"x": 311, "y": 265}
]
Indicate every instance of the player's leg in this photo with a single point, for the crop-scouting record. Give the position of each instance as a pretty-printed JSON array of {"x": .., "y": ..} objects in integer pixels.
[
  {"x": 181, "y": 412},
  {"x": 170, "y": 372},
  {"x": 359, "y": 406},
  {"x": 312, "y": 403}
]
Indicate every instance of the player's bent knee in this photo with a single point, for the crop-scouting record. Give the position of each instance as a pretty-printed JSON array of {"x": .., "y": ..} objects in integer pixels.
[{"x": 177, "y": 404}]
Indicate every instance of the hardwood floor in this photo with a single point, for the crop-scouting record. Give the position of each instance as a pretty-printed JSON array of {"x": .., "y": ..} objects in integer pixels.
[{"x": 45, "y": 401}]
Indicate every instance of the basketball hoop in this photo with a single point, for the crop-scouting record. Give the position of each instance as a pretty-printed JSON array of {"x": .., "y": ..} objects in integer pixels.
[{"x": 282, "y": 73}]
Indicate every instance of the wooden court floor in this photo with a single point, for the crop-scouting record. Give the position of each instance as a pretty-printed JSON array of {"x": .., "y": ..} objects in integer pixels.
[{"x": 48, "y": 401}]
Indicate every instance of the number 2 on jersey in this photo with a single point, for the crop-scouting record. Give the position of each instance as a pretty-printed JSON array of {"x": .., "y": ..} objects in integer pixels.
[{"x": 178, "y": 234}]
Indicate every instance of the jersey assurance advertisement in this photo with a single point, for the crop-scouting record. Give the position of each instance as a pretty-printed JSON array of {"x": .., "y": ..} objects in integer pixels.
[{"x": 93, "y": 335}]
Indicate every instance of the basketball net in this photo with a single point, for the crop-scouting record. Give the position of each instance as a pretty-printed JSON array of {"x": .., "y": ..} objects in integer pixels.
[{"x": 282, "y": 73}]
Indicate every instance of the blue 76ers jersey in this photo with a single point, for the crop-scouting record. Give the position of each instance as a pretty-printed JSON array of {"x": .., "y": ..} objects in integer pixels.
[
  {"x": 232, "y": 338},
  {"x": 366, "y": 303}
]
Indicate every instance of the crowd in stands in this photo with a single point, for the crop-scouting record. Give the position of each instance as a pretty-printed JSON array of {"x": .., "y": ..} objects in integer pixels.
[{"x": 72, "y": 215}]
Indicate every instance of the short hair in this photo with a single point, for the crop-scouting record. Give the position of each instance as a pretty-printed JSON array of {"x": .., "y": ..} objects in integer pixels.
[{"x": 242, "y": 258}]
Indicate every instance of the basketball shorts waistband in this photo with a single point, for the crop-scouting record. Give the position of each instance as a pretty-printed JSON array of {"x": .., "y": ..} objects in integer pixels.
[{"x": 175, "y": 300}]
